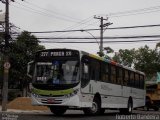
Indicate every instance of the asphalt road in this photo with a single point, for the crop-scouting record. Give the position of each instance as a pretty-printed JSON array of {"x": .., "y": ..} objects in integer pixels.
[{"x": 78, "y": 115}]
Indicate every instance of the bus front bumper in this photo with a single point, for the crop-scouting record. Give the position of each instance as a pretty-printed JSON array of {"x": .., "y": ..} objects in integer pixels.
[{"x": 72, "y": 101}]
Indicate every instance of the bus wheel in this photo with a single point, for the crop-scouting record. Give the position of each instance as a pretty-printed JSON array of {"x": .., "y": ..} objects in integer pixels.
[
  {"x": 127, "y": 110},
  {"x": 95, "y": 109},
  {"x": 130, "y": 107},
  {"x": 58, "y": 110}
]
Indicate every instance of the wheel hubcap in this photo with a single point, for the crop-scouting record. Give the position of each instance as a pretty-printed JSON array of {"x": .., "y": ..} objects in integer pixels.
[
  {"x": 94, "y": 107},
  {"x": 130, "y": 108}
]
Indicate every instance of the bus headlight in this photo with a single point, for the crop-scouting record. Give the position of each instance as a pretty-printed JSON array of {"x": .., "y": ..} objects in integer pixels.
[
  {"x": 35, "y": 95},
  {"x": 72, "y": 94}
]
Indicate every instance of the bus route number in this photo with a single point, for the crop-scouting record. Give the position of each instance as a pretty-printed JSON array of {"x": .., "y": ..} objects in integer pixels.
[
  {"x": 43, "y": 54},
  {"x": 60, "y": 53}
]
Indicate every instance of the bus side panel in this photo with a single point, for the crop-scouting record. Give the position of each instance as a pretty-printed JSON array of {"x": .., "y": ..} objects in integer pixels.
[
  {"x": 86, "y": 96},
  {"x": 126, "y": 94},
  {"x": 111, "y": 94},
  {"x": 137, "y": 95}
]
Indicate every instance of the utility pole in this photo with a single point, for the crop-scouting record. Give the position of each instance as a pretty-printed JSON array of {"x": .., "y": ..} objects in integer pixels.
[
  {"x": 6, "y": 65},
  {"x": 102, "y": 26},
  {"x": 6, "y": 59},
  {"x": 101, "y": 37}
]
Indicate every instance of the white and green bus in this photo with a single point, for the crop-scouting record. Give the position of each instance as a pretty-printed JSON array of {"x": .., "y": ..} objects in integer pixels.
[{"x": 70, "y": 79}]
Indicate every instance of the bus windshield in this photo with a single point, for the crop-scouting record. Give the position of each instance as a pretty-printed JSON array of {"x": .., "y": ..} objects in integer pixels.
[{"x": 57, "y": 72}]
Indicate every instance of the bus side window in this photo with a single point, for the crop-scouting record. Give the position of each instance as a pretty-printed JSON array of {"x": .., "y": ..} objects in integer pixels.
[
  {"x": 95, "y": 70},
  {"x": 126, "y": 77},
  {"x": 85, "y": 71},
  {"x": 131, "y": 79},
  {"x": 104, "y": 72},
  {"x": 113, "y": 74},
  {"x": 137, "y": 83},
  {"x": 119, "y": 75},
  {"x": 141, "y": 81}
]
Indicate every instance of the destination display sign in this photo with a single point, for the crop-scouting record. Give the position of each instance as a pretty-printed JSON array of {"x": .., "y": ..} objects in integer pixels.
[
  {"x": 57, "y": 53},
  {"x": 60, "y": 53}
]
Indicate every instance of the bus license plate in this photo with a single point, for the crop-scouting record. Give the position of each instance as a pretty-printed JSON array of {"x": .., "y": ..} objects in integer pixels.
[{"x": 50, "y": 101}]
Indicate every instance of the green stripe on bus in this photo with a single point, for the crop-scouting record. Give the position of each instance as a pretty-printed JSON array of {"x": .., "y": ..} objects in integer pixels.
[{"x": 49, "y": 92}]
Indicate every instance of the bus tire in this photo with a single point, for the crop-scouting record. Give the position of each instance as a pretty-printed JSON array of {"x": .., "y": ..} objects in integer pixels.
[
  {"x": 130, "y": 107},
  {"x": 127, "y": 110},
  {"x": 95, "y": 109},
  {"x": 58, "y": 110}
]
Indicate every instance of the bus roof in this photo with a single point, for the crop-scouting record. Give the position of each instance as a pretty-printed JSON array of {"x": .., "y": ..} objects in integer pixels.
[
  {"x": 98, "y": 58},
  {"x": 112, "y": 62}
]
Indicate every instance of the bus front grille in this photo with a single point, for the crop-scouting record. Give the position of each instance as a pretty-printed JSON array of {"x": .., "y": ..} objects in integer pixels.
[{"x": 51, "y": 101}]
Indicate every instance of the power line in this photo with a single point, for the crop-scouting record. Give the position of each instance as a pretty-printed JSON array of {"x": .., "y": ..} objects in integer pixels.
[
  {"x": 68, "y": 19},
  {"x": 135, "y": 12},
  {"x": 78, "y": 23},
  {"x": 90, "y": 38},
  {"x": 128, "y": 37},
  {"x": 141, "y": 26},
  {"x": 51, "y": 11},
  {"x": 42, "y": 12},
  {"x": 28, "y": 9},
  {"x": 120, "y": 41},
  {"x": 111, "y": 37},
  {"x": 81, "y": 30},
  {"x": 83, "y": 22}
]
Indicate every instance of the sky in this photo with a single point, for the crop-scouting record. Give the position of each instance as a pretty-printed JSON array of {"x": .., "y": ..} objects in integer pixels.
[{"x": 53, "y": 15}]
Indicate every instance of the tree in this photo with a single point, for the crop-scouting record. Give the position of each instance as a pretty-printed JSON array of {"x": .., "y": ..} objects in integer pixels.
[
  {"x": 147, "y": 60},
  {"x": 143, "y": 59},
  {"x": 22, "y": 51},
  {"x": 108, "y": 51},
  {"x": 158, "y": 45},
  {"x": 125, "y": 57}
]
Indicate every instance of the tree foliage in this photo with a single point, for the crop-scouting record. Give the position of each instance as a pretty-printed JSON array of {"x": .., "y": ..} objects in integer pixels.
[
  {"x": 143, "y": 59},
  {"x": 125, "y": 57},
  {"x": 21, "y": 52},
  {"x": 158, "y": 45},
  {"x": 108, "y": 51},
  {"x": 147, "y": 60}
]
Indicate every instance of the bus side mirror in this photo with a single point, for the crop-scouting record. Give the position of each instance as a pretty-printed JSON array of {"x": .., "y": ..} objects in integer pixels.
[{"x": 30, "y": 69}]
